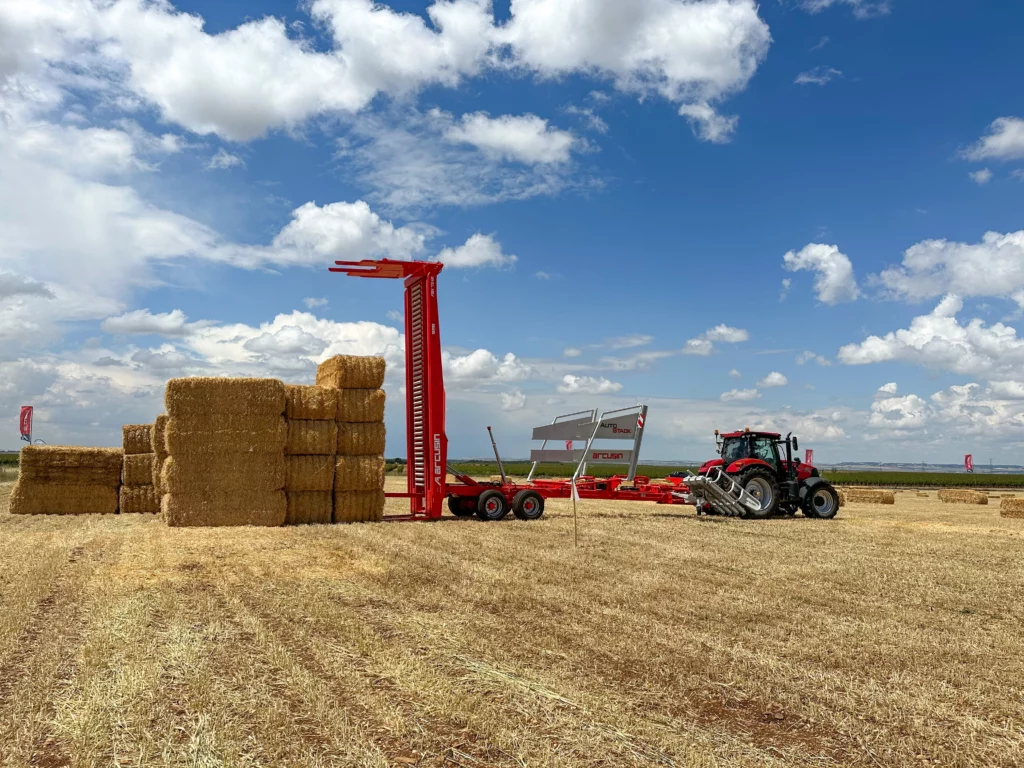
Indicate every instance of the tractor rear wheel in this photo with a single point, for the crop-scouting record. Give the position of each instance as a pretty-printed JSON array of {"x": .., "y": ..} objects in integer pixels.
[
  {"x": 528, "y": 505},
  {"x": 461, "y": 506},
  {"x": 492, "y": 505},
  {"x": 822, "y": 503},
  {"x": 762, "y": 485}
]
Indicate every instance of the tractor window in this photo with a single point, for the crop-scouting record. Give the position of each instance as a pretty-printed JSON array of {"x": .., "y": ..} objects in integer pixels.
[
  {"x": 764, "y": 448},
  {"x": 735, "y": 449}
]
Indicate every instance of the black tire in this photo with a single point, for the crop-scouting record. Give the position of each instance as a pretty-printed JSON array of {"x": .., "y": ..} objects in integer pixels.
[
  {"x": 822, "y": 502},
  {"x": 462, "y": 506},
  {"x": 761, "y": 483},
  {"x": 528, "y": 505},
  {"x": 492, "y": 506}
]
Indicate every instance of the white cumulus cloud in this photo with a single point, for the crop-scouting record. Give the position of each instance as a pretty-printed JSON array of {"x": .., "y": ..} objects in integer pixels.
[
  {"x": 588, "y": 385},
  {"x": 739, "y": 395},
  {"x": 1004, "y": 141},
  {"x": 478, "y": 251},
  {"x": 142, "y": 321},
  {"x": 513, "y": 401},
  {"x": 834, "y": 281},
  {"x": 773, "y": 379},
  {"x": 525, "y": 139}
]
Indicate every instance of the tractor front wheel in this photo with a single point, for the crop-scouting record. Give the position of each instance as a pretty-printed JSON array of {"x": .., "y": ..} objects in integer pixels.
[
  {"x": 822, "y": 503},
  {"x": 492, "y": 506},
  {"x": 762, "y": 485}
]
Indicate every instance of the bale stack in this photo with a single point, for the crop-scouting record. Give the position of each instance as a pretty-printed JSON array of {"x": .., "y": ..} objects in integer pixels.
[
  {"x": 869, "y": 496},
  {"x": 225, "y": 441},
  {"x": 359, "y": 472},
  {"x": 1011, "y": 507},
  {"x": 159, "y": 453},
  {"x": 137, "y": 493},
  {"x": 947, "y": 496},
  {"x": 312, "y": 443},
  {"x": 57, "y": 480}
]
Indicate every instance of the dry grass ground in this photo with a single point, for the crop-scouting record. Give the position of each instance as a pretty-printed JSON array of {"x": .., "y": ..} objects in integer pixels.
[{"x": 888, "y": 637}]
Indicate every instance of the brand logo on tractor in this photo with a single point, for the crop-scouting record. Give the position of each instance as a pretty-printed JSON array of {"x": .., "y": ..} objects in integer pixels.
[{"x": 602, "y": 455}]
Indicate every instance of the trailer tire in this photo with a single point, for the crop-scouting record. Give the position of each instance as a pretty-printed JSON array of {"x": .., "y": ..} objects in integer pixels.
[
  {"x": 759, "y": 482},
  {"x": 528, "y": 505},
  {"x": 462, "y": 506},
  {"x": 492, "y": 506},
  {"x": 822, "y": 503}
]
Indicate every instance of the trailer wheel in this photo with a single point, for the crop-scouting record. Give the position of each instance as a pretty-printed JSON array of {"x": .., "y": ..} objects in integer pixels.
[
  {"x": 461, "y": 506},
  {"x": 528, "y": 505},
  {"x": 762, "y": 485},
  {"x": 492, "y": 505},
  {"x": 823, "y": 503}
]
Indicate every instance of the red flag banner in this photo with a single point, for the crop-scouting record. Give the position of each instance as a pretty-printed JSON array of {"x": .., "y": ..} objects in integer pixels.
[
  {"x": 809, "y": 456},
  {"x": 568, "y": 445},
  {"x": 26, "y": 423},
  {"x": 969, "y": 462}
]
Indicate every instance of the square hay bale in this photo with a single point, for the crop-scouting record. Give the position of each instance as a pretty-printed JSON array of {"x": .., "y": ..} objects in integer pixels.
[
  {"x": 361, "y": 439},
  {"x": 239, "y": 397},
  {"x": 947, "y": 496},
  {"x": 50, "y": 498},
  {"x": 842, "y": 497},
  {"x": 311, "y": 438},
  {"x": 138, "y": 469},
  {"x": 194, "y": 472},
  {"x": 1010, "y": 507},
  {"x": 69, "y": 465},
  {"x": 361, "y": 406},
  {"x": 922, "y": 495},
  {"x": 358, "y": 506},
  {"x": 158, "y": 474},
  {"x": 870, "y": 496},
  {"x": 137, "y": 438},
  {"x": 234, "y": 434},
  {"x": 359, "y": 473},
  {"x": 350, "y": 372},
  {"x": 310, "y": 403},
  {"x": 139, "y": 500},
  {"x": 310, "y": 508},
  {"x": 220, "y": 508},
  {"x": 159, "y": 442},
  {"x": 309, "y": 473}
]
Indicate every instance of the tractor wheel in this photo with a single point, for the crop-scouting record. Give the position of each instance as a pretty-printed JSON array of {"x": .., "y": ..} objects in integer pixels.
[
  {"x": 528, "y": 505},
  {"x": 461, "y": 506},
  {"x": 823, "y": 503},
  {"x": 492, "y": 506},
  {"x": 762, "y": 485}
]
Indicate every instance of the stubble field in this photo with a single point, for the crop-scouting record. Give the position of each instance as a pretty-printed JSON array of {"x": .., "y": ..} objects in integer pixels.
[{"x": 888, "y": 637}]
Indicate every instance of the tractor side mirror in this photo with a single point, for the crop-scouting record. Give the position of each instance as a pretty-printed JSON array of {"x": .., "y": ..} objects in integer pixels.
[{"x": 796, "y": 444}]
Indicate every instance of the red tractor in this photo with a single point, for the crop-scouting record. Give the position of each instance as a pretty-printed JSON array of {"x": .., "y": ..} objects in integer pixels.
[{"x": 753, "y": 478}]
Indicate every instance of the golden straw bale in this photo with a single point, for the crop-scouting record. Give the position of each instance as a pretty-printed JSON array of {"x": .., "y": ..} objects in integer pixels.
[
  {"x": 869, "y": 496},
  {"x": 309, "y": 473},
  {"x": 219, "y": 508},
  {"x": 49, "y": 498},
  {"x": 948, "y": 496},
  {"x": 222, "y": 396},
  {"x": 1010, "y": 507},
  {"x": 139, "y": 500},
  {"x": 349, "y": 372},
  {"x": 922, "y": 495},
  {"x": 217, "y": 434},
  {"x": 310, "y": 508},
  {"x": 360, "y": 406},
  {"x": 160, "y": 435},
  {"x": 158, "y": 474},
  {"x": 138, "y": 469},
  {"x": 137, "y": 438},
  {"x": 192, "y": 472},
  {"x": 312, "y": 438},
  {"x": 358, "y": 506},
  {"x": 842, "y": 497},
  {"x": 359, "y": 473},
  {"x": 70, "y": 465},
  {"x": 361, "y": 439},
  {"x": 304, "y": 402}
]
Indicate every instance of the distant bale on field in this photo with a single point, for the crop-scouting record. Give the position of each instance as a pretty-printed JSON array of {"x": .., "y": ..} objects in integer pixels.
[
  {"x": 922, "y": 495},
  {"x": 842, "y": 497},
  {"x": 870, "y": 496},
  {"x": 349, "y": 372},
  {"x": 1011, "y": 508},
  {"x": 61, "y": 480},
  {"x": 947, "y": 496}
]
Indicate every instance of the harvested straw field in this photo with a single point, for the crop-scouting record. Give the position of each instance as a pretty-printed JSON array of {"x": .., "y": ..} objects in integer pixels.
[
  {"x": 963, "y": 497},
  {"x": 346, "y": 372},
  {"x": 1010, "y": 507},
  {"x": 664, "y": 640}
]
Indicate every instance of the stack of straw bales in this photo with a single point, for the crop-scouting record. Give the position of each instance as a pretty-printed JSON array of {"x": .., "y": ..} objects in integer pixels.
[
  {"x": 137, "y": 493},
  {"x": 962, "y": 497},
  {"x": 159, "y": 454},
  {"x": 869, "y": 496},
  {"x": 359, "y": 473},
  {"x": 225, "y": 442},
  {"x": 58, "y": 480},
  {"x": 1011, "y": 507},
  {"x": 312, "y": 443}
]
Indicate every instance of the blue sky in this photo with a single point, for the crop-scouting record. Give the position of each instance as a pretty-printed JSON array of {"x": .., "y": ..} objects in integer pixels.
[{"x": 803, "y": 214}]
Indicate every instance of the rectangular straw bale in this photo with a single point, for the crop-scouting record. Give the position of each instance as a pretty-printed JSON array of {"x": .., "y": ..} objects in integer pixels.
[
  {"x": 309, "y": 473},
  {"x": 48, "y": 498},
  {"x": 218, "y": 508},
  {"x": 70, "y": 465},
  {"x": 948, "y": 496},
  {"x": 361, "y": 439},
  {"x": 137, "y": 438},
  {"x": 1010, "y": 507},
  {"x": 870, "y": 496},
  {"x": 302, "y": 402},
  {"x": 159, "y": 463},
  {"x": 242, "y": 397},
  {"x": 310, "y": 508},
  {"x": 358, "y": 506},
  {"x": 312, "y": 438},
  {"x": 138, "y": 469},
  {"x": 159, "y": 442},
  {"x": 350, "y": 372},
  {"x": 193, "y": 472},
  {"x": 842, "y": 496},
  {"x": 360, "y": 406},
  {"x": 139, "y": 500},
  {"x": 359, "y": 473},
  {"x": 261, "y": 434},
  {"x": 922, "y": 495}
]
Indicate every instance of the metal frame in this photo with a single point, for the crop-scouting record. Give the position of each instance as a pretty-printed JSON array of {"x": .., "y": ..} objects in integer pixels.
[{"x": 558, "y": 419}]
